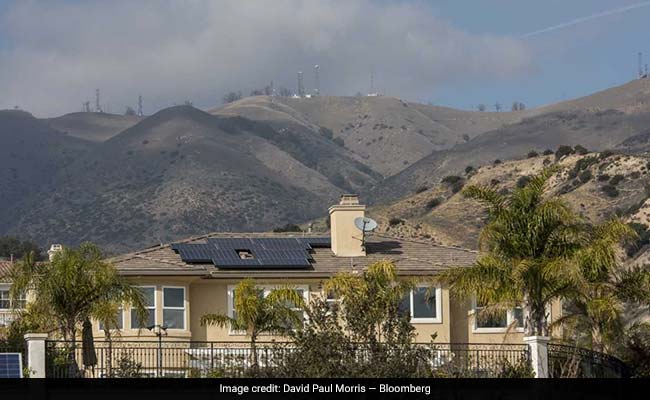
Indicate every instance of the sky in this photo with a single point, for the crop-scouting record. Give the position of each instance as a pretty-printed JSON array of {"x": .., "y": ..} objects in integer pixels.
[{"x": 457, "y": 53}]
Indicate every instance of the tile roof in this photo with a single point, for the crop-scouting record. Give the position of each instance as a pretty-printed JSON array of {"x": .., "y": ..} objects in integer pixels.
[
  {"x": 410, "y": 256},
  {"x": 5, "y": 267}
]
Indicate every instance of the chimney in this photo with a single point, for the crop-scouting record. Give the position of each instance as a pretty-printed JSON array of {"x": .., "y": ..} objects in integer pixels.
[
  {"x": 55, "y": 248},
  {"x": 346, "y": 237}
]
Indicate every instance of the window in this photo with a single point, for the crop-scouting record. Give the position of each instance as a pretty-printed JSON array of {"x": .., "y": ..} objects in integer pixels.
[
  {"x": 303, "y": 290},
  {"x": 149, "y": 293},
  {"x": 5, "y": 300},
  {"x": 119, "y": 318},
  {"x": 174, "y": 307},
  {"x": 499, "y": 321},
  {"x": 422, "y": 304},
  {"x": 331, "y": 300}
]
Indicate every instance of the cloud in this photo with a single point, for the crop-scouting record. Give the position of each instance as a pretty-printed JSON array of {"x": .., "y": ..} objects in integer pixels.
[{"x": 55, "y": 55}]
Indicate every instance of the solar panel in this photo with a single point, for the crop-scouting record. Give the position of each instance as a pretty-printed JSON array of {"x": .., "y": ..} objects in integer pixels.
[
  {"x": 264, "y": 252},
  {"x": 11, "y": 365}
]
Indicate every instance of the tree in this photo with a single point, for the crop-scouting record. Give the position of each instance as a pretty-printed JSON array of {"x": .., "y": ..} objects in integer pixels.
[
  {"x": 257, "y": 92},
  {"x": 11, "y": 246},
  {"x": 129, "y": 111},
  {"x": 497, "y": 107},
  {"x": 529, "y": 243},
  {"x": 518, "y": 106},
  {"x": 71, "y": 288},
  {"x": 481, "y": 107},
  {"x": 231, "y": 97},
  {"x": 256, "y": 314},
  {"x": 609, "y": 293}
]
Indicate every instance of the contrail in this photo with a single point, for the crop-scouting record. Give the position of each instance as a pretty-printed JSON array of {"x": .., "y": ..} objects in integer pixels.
[{"x": 587, "y": 18}]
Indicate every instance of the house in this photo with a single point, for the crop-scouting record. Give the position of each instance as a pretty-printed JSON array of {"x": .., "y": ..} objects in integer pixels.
[
  {"x": 7, "y": 309},
  {"x": 184, "y": 280}
]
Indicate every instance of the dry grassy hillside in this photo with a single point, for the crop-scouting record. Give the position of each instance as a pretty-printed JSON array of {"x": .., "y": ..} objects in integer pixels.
[
  {"x": 385, "y": 133},
  {"x": 596, "y": 185},
  {"x": 95, "y": 127}
]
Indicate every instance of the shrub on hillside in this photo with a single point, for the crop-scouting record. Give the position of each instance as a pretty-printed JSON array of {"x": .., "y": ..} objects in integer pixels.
[
  {"x": 457, "y": 187},
  {"x": 496, "y": 162},
  {"x": 585, "y": 176},
  {"x": 603, "y": 178},
  {"x": 451, "y": 179},
  {"x": 395, "y": 221},
  {"x": 433, "y": 203},
  {"x": 643, "y": 239},
  {"x": 618, "y": 178},
  {"x": 563, "y": 151},
  {"x": 532, "y": 154},
  {"x": 610, "y": 190},
  {"x": 469, "y": 169},
  {"x": 288, "y": 228},
  {"x": 547, "y": 152},
  {"x": 580, "y": 149},
  {"x": 421, "y": 189}
]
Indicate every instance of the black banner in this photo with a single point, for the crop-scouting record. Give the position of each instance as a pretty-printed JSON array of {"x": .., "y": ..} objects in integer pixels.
[{"x": 194, "y": 389}]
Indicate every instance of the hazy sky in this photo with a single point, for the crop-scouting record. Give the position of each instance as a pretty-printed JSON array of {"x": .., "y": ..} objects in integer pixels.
[{"x": 53, "y": 54}]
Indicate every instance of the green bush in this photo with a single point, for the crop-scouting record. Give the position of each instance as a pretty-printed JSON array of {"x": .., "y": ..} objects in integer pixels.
[
  {"x": 610, "y": 190},
  {"x": 451, "y": 179},
  {"x": 635, "y": 175},
  {"x": 457, "y": 186},
  {"x": 585, "y": 176},
  {"x": 433, "y": 203},
  {"x": 547, "y": 152},
  {"x": 563, "y": 151},
  {"x": 469, "y": 169},
  {"x": 603, "y": 178},
  {"x": 395, "y": 221},
  {"x": 496, "y": 162},
  {"x": 580, "y": 149},
  {"x": 618, "y": 178},
  {"x": 288, "y": 228},
  {"x": 532, "y": 154},
  {"x": 421, "y": 189}
]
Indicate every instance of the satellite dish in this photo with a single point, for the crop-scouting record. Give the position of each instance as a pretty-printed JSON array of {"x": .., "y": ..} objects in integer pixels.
[{"x": 365, "y": 224}]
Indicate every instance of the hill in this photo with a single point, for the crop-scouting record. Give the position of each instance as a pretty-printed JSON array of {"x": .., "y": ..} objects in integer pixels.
[
  {"x": 385, "y": 133},
  {"x": 31, "y": 155},
  {"x": 95, "y": 127},
  {"x": 183, "y": 171},
  {"x": 262, "y": 162},
  {"x": 596, "y": 185}
]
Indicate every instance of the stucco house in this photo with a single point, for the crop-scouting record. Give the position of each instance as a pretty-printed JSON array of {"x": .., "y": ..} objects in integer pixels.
[{"x": 184, "y": 280}]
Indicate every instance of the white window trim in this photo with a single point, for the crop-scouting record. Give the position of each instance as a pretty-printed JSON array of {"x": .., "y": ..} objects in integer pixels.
[
  {"x": 155, "y": 307},
  {"x": 184, "y": 308},
  {"x": 99, "y": 328},
  {"x": 7, "y": 287},
  {"x": 510, "y": 319},
  {"x": 438, "y": 318},
  {"x": 266, "y": 289}
]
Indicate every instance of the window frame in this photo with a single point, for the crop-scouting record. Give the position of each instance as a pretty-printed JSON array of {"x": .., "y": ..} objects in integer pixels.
[
  {"x": 155, "y": 307},
  {"x": 121, "y": 311},
  {"x": 23, "y": 299},
  {"x": 510, "y": 318},
  {"x": 427, "y": 320},
  {"x": 184, "y": 308},
  {"x": 266, "y": 289}
]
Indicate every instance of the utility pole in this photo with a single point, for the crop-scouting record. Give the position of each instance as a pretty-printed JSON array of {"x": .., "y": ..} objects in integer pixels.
[
  {"x": 316, "y": 80},
  {"x": 140, "y": 114},
  {"x": 301, "y": 88},
  {"x": 98, "y": 107}
]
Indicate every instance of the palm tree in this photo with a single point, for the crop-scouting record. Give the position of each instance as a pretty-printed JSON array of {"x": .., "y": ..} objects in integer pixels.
[
  {"x": 72, "y": 287},
  {"x": 529, "y": 246},
  {"x": 370, "y": 301},
  {"x": 604, "y": 305},
  {"x": 257, "y": 314}
]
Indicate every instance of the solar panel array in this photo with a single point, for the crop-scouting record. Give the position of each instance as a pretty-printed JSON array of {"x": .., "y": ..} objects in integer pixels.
[
  {"x": 11, "y": 365},
  {"x": 264, "y": 252}
]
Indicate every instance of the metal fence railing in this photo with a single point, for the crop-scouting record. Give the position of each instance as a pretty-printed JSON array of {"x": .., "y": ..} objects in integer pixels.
[
  {"x": 575, "y": 362},
  {"x": 122, "y": 358}
]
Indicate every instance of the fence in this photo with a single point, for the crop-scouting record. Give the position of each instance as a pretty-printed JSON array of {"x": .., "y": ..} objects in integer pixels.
[
  {"x": 575, "y": 362},
  {"x": 236, "y": 359}
]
